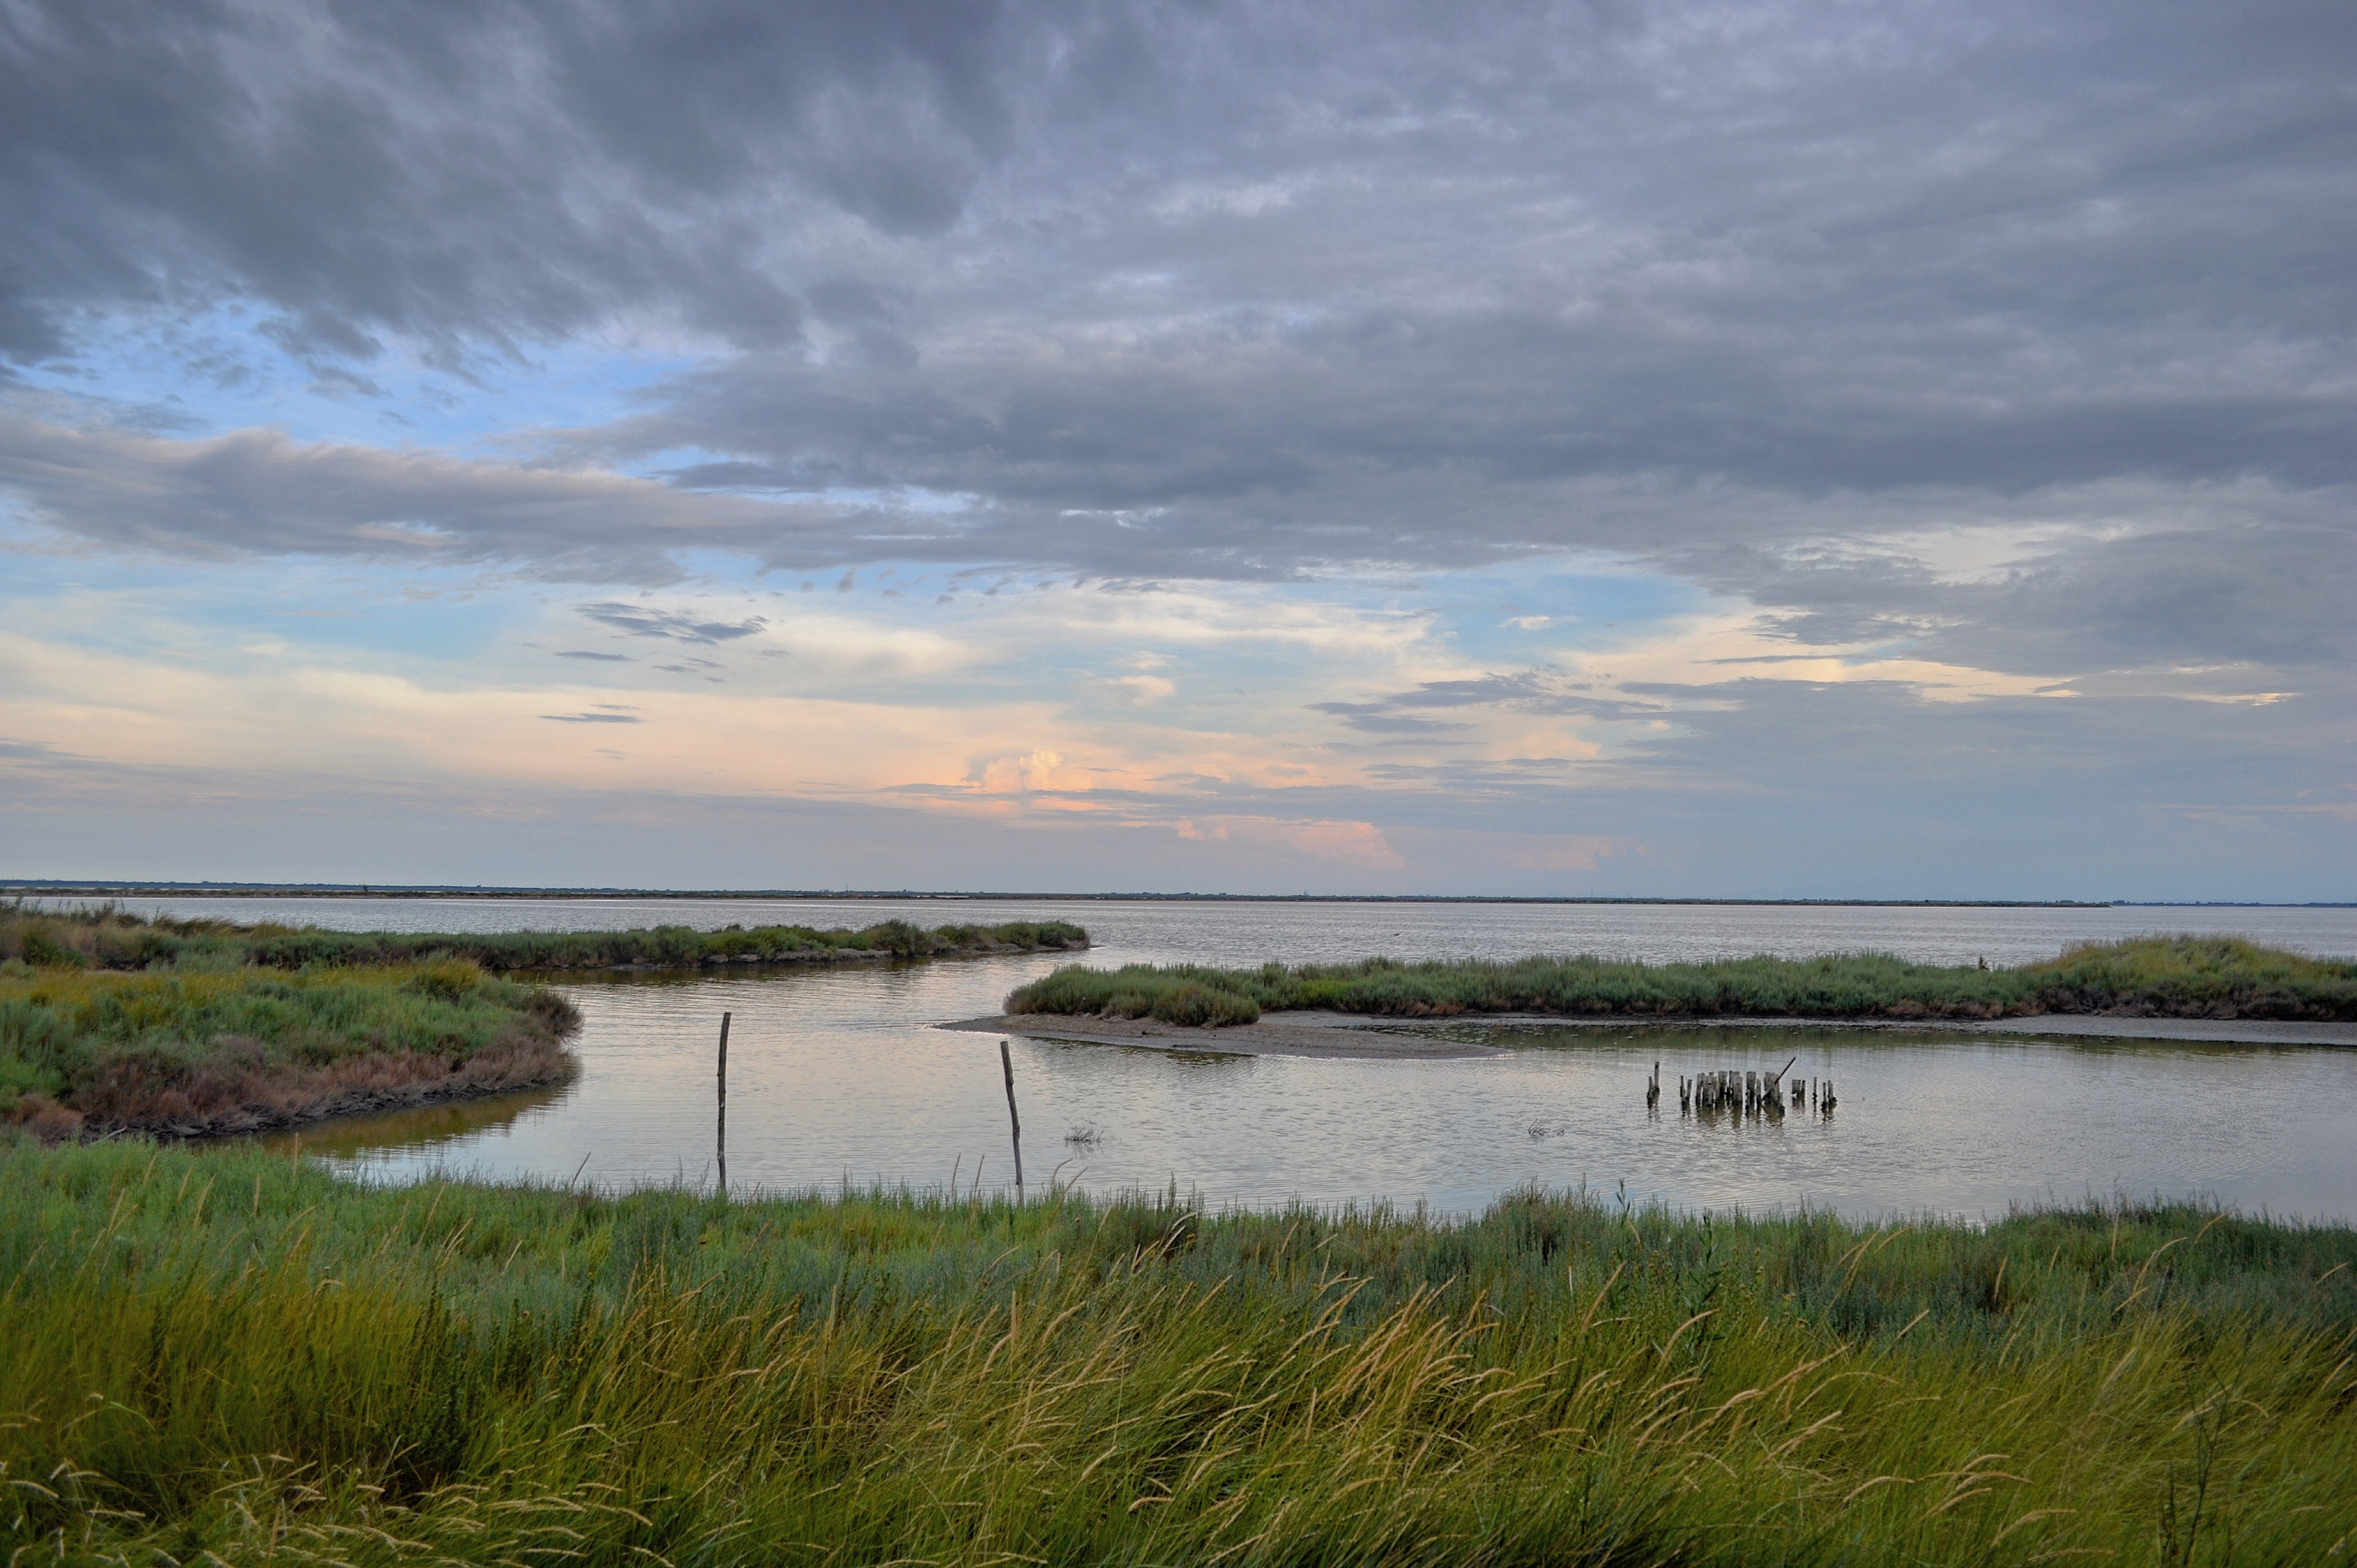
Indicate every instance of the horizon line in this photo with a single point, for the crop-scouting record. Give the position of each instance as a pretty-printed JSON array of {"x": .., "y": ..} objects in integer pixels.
[{"x": 53, "y": 887}]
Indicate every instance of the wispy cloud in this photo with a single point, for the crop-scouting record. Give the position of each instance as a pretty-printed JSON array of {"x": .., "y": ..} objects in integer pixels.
[{"x": 673, "y": 625}]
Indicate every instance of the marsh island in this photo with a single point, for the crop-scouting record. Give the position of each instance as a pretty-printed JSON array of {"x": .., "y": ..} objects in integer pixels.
[{"x": 112, "y": 1022}]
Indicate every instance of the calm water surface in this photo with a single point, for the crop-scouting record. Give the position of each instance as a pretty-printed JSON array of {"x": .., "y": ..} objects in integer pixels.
[{"x": 836, "y": 1076}]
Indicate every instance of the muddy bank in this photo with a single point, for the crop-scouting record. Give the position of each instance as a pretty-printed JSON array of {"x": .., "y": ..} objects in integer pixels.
[
  {"x": 1269, "y": 1037},
  {"x": 226, "y": 1099},
  {"x": 2048, "y": 1025},
  {"x": 1358, "y": 1037}
]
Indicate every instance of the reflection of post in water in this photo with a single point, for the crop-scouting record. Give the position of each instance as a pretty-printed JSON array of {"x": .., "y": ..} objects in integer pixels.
[
  {"x": 1006, "y": 1065},
  {"x": 720, "y": 1132}
]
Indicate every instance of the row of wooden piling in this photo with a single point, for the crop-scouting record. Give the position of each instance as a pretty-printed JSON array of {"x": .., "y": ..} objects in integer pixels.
[{"x": 1745, "y": 1092}]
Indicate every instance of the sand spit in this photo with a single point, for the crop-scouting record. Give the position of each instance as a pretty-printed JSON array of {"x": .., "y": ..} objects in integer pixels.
[
  {"x": 1335, "y": 1038},
  {"x": 1352, "y": 1037}
]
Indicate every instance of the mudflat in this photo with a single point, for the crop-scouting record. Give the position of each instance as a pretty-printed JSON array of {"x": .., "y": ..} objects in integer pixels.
[
  {"x": 1338, "y": 1039},
  {"x": 1350, "y": 1037}
]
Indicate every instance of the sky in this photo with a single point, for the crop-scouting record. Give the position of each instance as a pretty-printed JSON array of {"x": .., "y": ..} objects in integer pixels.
[{"x": 1867, "y": 448}]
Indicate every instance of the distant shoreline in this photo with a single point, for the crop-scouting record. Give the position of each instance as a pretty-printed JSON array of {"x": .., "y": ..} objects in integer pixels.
[{"x": 56, "y": 889}]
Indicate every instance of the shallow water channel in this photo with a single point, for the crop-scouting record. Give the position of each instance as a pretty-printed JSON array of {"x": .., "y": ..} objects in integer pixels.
[{"x": 837, "y": 1076}]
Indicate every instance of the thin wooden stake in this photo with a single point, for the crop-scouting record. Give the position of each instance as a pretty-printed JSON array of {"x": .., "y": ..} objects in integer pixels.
[
  {"x": 720, "y": 1132},
  {"x": 1007, "y": 1063}
]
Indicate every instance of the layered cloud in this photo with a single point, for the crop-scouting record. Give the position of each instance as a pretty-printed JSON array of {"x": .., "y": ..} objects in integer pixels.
[{"x": 1232, "y": 402}]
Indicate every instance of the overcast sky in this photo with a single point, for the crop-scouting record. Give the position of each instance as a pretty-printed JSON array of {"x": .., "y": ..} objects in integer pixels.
[{"x": 1867, "y": 448}]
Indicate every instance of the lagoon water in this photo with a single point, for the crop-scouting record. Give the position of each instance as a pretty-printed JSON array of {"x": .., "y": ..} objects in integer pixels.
[{"x": 837, "y": 1075}]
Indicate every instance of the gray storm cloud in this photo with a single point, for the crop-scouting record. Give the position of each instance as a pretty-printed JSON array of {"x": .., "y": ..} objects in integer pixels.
[
  {"x": 1778, "y": 299},
  {"x": 1108, "y": 256}
]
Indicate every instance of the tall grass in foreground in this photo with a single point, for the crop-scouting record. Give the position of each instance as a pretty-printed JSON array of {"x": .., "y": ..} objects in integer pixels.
[
  {"x": 2167, "y": 976},
  {"x": 221, "y": 1353}
]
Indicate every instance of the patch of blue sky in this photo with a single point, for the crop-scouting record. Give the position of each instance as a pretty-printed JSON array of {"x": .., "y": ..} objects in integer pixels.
[
  {"x": 715, "y": 469},
  {"x": 153, "y": 602},
  {"x": 1513, "y": 615},
  {"x": 220, "y": 370},
  {"x": 1264, "y": 679}
]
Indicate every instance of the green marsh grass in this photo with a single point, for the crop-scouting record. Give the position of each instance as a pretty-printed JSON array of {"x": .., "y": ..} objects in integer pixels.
[
  {"x": 226, "y": 1353},
  {"x": 112, "y": 1022},
  {"x": 2166, "y": 976},
  {"x": 104, "y": 937},
  {"x": 227, "y": 1049}
]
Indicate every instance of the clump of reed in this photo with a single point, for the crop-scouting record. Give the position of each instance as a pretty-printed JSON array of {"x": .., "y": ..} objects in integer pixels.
[
  {"x": 2160, "y": 976},
  {"x": 233, "y": 1050},
  {"x": 107, "y": 937},
  {"x": 1175, "y": 995},
  {"x": 228, "y": 1354}
]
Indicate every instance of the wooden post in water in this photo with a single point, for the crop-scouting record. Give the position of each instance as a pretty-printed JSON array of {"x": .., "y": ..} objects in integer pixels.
[
  {"x": 1006, "y": 1065},
  {"x": 720, "y": 1132}
]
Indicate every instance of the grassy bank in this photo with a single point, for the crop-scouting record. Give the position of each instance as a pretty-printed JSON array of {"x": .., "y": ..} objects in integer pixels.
[
  {"x": 102, "y": 937},
  {"x": 221, "y": 1353},
  {"x": 112, "y": 1022},
  {"x": 237, "y": 1050},
  {"x": 2154, "y": 976}
]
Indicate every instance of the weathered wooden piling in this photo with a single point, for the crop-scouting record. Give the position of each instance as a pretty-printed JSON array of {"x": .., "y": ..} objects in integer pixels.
[
  {"x": 720, "y": 1132},
  {"x": 1006, "y": 1065}
]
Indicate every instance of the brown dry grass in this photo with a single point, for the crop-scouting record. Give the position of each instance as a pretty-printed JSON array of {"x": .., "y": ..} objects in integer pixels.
[
  {"x": 240, "y": 1093},
  {"x": 86, "y": 1053}
]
